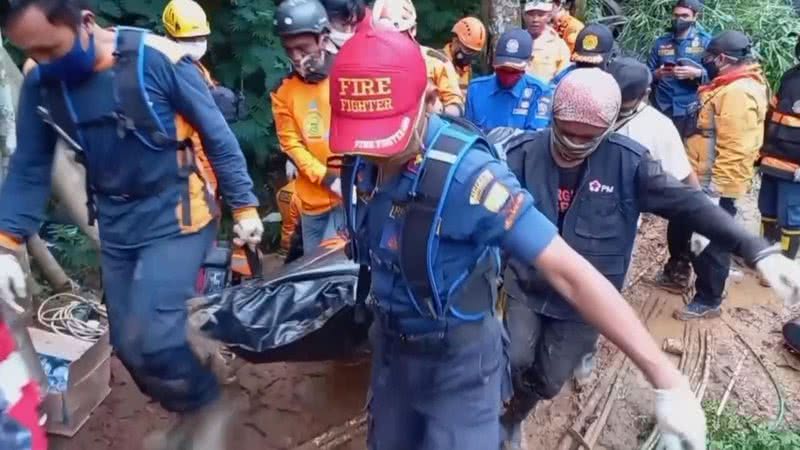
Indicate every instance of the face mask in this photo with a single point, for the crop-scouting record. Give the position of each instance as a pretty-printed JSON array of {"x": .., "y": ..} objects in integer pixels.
[
  {"x": 74, "y": 67},
  {"x": 711, "y": 68},
  {"x": 681, "y": 25},
  {"x": 338, "y": 38},
  {"x": 196, "y": 50},
  {"x": 315, "y": 68},
  {"x": 571, "y": 151},
  {"x": 462, "y": 59},
  {"x": 508, "y": 78}
]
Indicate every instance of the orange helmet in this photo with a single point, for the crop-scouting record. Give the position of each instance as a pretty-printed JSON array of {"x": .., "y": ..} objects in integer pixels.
[
  {"x": 470, "y": 32},
  {"x": 398, "y": 14}
]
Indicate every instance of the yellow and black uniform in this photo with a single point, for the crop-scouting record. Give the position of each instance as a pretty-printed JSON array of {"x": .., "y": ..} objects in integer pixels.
[
  {"x": 730, "y": 131},
  {"x": 779, "y": 196},
  {"x": 464, "y": 72},
  {"x": 302, "y": 114},
  {"x": 550, "y": 55},
  {"x": 444, "y": 77}
]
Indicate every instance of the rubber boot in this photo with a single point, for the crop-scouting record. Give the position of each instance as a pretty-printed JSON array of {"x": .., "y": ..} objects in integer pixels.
[
  {"x": 791, "y": 335},
  {"x": 204, "y": 429},
  {"x": 517, "y": 410}
]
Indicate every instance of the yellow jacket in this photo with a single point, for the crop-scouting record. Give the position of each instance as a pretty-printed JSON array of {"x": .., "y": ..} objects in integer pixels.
[
  {"x": 464, "y": 73},
  {"x": 302, "y": 114},
  {"x": 550, "y": 55},
  {"x": 443, "y": 75},
  {"x": 568, "y": 28},
  {"x": 730, "y": 131}
]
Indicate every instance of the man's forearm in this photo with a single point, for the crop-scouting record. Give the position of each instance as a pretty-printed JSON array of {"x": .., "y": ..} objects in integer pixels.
[{"x": 602, "y": 306}]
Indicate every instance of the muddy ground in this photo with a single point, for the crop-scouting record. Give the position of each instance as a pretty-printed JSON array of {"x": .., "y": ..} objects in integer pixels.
[{"x": 287, "y": 405}]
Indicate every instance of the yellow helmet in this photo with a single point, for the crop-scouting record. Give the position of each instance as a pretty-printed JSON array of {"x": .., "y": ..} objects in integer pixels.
[
  {"x": 185, "y": 19},
  {"x": 398, "y": 14}
]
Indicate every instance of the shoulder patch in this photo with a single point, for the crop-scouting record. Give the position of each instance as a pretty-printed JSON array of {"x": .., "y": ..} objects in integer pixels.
[
  {"x": 435, "y": 54},
  {"x": 170, "y": 49}
]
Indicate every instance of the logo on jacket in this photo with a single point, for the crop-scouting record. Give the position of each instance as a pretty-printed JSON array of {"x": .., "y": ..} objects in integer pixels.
[{"x": 597, "y": 186}]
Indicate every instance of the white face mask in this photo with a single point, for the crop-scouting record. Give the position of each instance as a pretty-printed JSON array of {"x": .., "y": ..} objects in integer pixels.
[
  {"x": 195, "y": 50},
  {"x": 340, "y": 37}
]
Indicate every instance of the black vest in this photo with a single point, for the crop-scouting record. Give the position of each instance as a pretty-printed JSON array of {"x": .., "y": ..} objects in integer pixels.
[
  {"x": 782, "y": 138},
  {"x": 600, "y": 224}
]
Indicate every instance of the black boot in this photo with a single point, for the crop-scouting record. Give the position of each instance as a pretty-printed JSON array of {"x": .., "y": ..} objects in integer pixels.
[
  {"x": 675, "y": 276},
  {"x": 517, "y": 410}
]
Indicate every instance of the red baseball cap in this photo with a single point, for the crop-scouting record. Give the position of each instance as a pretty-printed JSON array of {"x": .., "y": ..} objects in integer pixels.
[{"x": 378, "y": 81}]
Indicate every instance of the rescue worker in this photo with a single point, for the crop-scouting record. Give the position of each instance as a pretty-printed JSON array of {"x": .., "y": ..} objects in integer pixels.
[
  {"x": 509, "y": 97},
  {"x": 344, "y": 16},
  {"x": 565, "y": 24},
  {"x": 644, "y": 124},
  {"x": 730, "y": 132},
  {"x": 438, "y": 361},
  {"x": 779, "y": 197},
  {"x": 402, "y": 16},
  {"x": 465, "y": 47},
  {"x": 301, "y": 108},
  {"x": 595, "y": 47},
  {"x": 675, "y": 63},
  {"x": 550, "y": 53},
  {"x": 155, "y": 216},
  {"x": 185, "y": 23},
  {"x": 592, "y": 184}
]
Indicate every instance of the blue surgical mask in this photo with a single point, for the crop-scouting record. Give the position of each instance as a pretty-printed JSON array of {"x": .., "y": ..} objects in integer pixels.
[{"x": 74, "y": 67}]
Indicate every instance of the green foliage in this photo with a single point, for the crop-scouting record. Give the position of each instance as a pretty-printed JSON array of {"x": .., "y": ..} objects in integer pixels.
[
  {"x": 734, "y": 432},
  {"x": 244, "y": 52},
  {"x": 73, "y": 250},
  {"x": 772, "y": 24}
]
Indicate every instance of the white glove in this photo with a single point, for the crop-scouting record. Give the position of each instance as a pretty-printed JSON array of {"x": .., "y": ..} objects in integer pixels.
[
  {"x": 783, "y": 275},
  {"x": 680, "y": 419},
  {"x": 336, "y": 187},
  {"x": 12, "y": 281},
  {"x": 291, "y": 170},
  {"x": 248, "y": 231}
]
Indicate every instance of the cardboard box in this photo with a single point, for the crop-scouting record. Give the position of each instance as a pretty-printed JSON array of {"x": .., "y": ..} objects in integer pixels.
[{"x": 88, "y": 377}]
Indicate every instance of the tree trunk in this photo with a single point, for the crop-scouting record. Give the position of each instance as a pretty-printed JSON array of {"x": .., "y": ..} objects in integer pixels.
[
  {"x": 69, "y": 188},
  {"x": 501, "y": 16}
]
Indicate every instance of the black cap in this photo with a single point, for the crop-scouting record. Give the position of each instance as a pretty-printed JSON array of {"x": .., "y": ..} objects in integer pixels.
[
  {"x": 632, "y": 77},
  {"x": 730, "y": 43},
  {"x": 593, "y": 44},
  {"x": 694, "y": 5},
  {"x": 514, "y": 48}
]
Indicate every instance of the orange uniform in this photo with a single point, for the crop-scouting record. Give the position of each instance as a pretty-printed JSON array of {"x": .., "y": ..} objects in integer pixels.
[
  {"x": 444, "y": 77},
  {"x": 302, "y": 115},
  {"x": 464, "y": 73},
  {"x": 289, "y": 207},
  {"x": 568, "y": 28}
]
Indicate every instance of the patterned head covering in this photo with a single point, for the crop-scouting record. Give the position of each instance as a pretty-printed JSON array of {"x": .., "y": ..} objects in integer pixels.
[{"x": 589, "y": 96}]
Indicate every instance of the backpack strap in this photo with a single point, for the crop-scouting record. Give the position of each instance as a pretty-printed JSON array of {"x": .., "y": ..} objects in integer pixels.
[
  {"x": 424, "y": 212},
  {"x": 349, "y": 173},
  {"x": 134, "y": 113}
]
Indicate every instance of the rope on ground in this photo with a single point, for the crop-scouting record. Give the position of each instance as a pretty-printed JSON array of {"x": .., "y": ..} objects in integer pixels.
[
  {"x": 71, "y": 315},
  {"x": 778, "y": 391}
]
